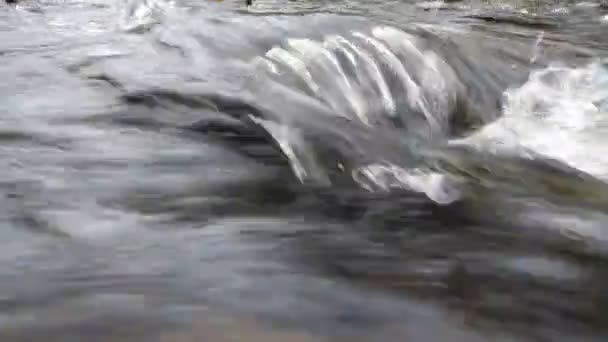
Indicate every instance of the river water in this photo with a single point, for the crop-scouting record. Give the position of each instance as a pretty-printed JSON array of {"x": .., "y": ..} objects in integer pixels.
[{"x": 303, "y": 170}]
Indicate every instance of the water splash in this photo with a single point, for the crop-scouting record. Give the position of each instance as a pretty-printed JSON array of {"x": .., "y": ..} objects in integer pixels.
[
  {"x": 384, "y": 82},
  {"x": 376, "y": 78},
  {"x": 384, "y": 177},
  {"x": 536, "y": 47},
  {"x": 560, "y": 112},
  {"x": 141, "y": 15},
  {"x": 302, "y": 161}
]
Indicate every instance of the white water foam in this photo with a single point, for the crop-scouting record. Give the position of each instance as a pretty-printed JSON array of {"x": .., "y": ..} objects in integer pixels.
[
  {"x": 142, "y": 14},
  {"x": 560, "y": 112},
  {"x": 384, "y": 177},
  {"x": 438, "y": 87}
]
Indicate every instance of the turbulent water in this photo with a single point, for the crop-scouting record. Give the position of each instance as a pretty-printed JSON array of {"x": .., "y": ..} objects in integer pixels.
[{"x": 303, "y": 170}]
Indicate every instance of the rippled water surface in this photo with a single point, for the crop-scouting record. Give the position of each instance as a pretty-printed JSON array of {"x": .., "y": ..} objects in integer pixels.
[{"x": 303, "y": 170}]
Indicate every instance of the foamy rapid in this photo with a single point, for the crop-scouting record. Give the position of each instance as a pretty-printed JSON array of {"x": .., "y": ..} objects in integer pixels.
[
  {"x": 560, "y": 112},
  {"x": 387, "y": 79},
  {"x": 136, "y": 15}
]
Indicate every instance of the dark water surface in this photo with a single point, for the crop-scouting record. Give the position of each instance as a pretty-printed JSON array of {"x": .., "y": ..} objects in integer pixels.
[{"x": 303, "y": 170}]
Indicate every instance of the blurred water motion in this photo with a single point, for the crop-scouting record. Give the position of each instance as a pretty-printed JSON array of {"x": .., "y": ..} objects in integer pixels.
[{"x": 303, "y": 171}]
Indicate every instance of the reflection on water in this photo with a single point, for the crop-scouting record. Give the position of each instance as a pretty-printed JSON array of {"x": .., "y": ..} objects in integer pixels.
[{"x": 303, "y": 171}]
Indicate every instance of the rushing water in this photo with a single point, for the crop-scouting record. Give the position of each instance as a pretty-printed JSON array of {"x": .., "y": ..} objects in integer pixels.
[{"x": 303, "y": 170}]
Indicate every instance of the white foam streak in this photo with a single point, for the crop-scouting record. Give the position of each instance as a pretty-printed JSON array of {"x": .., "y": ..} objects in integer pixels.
[
  {"x": 312, "y": 50},
  {"x": 536, "y": 47},
  {"x": 398, "y": 39},
  {"x": 301, "y": 159},
  {"x": 435, "y": 186},
  {"x": 374, "y": 72},
  {"x": 438, "y": 83},
  {"x": 412, "y": 89},
  {"x": 440, "y": 86},
  {"x": 280, "y": 55},
  {"x": 315, "y": 52},
  {"x": 344, "y": 45},
  {"x": 266, "y": 63}
]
